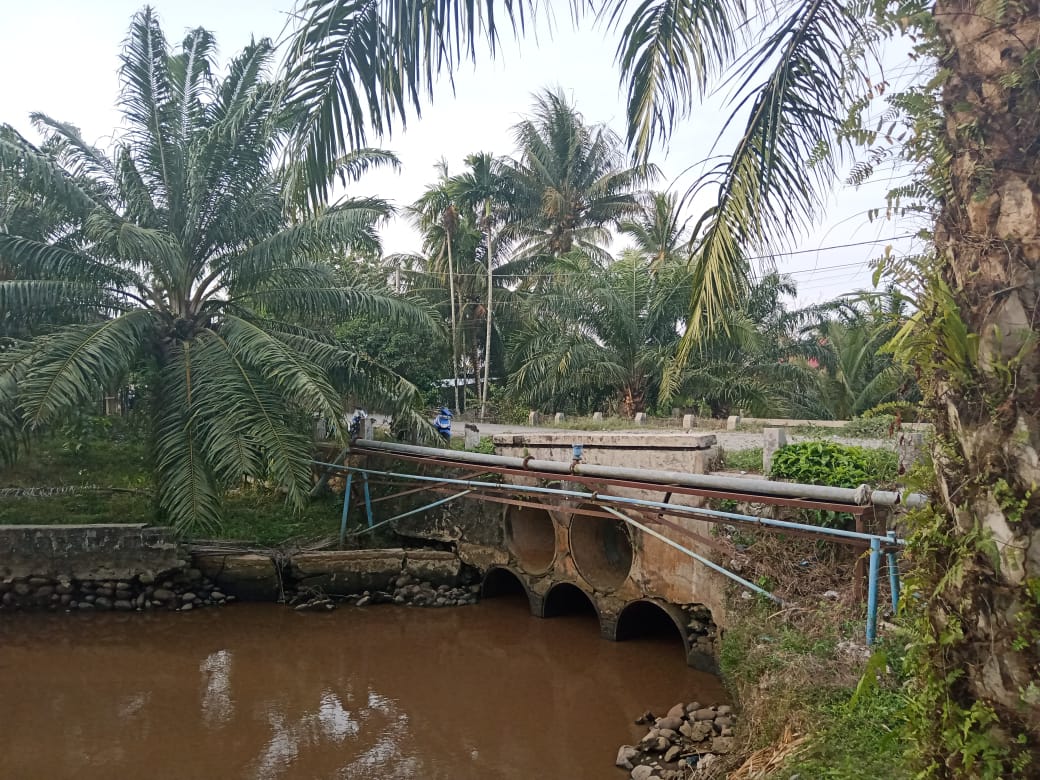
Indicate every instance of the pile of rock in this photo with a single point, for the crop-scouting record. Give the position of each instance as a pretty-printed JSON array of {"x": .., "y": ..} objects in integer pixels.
[
  {"x": 404, "y": 589},
  {"x": 688, "y": 737},
  {"x": 183, "y": 591}
]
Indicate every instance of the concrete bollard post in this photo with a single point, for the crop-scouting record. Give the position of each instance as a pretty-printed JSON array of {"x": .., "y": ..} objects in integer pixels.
[
  {"x": 597, "y": 417},
  {"x": 559, "y": 417},
  {"x": 472, "y": 437},
  {"x": 534, "y": 419},
  {"x": 640, "y": 418},
  {"x": 910, "y": 450},
  {"x": 732, "y": 422},
  {"x": 368, "y": 428},
  {"x": 688, "y": 423},
  {"x": 772, "y": 440}
]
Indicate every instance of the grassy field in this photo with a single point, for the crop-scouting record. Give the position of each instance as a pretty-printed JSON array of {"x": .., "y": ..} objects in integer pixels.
[{"x": 99, "y": 473}]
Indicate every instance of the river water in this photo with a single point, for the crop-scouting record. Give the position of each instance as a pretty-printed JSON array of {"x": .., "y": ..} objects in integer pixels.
[{"x": 260, "y": 691}]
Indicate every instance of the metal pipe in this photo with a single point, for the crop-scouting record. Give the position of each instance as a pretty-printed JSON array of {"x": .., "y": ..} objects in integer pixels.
[
  {"x": 714, "y": 514},
  {"x": 346, "y": 507},
  {"x": 872, "y": 590},
  {"x": 368, "y": 501},
  {"x": 859, "y": 496},
  {"x": 701, "y": 559},
  {"x": 411, "y": 512},
  {"x": 893, "y": 576}
]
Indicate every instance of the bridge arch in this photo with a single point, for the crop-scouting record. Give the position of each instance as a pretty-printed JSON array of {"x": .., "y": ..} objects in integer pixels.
[
  {"x": 652, "y": 618},
  {"x": 566, "y": 598},
  {"x": 601, "y": 548},
  {"x": 530, "y": 536},
  {"x": 503, "y": 581}
]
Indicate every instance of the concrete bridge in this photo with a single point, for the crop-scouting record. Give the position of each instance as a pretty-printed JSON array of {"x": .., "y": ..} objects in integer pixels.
[{"x": 566, "y": 555}]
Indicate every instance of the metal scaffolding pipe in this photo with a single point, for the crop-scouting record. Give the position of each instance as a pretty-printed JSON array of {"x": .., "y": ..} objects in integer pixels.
[
  {"x": 700, "y": 558},
  {"x": 858, "y": 497},
  {"x": 715, "y": 515}
]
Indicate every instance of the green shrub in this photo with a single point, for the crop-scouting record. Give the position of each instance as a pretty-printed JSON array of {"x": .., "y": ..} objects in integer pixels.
[{"x": 835, "y": 465}]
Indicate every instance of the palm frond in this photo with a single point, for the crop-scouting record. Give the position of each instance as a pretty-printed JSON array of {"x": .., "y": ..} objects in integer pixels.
[
  {"x": 70, "y": 366},
  {"x": 773, "y": 184},
  {"x": 356, "y": 66}
]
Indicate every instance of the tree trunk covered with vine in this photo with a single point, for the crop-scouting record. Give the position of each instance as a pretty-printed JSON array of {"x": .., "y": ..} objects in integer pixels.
[{"x": 978, "y": 555}]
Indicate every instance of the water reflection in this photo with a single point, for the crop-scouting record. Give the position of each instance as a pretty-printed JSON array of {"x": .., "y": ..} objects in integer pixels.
[{"x": 486, "y": 691}]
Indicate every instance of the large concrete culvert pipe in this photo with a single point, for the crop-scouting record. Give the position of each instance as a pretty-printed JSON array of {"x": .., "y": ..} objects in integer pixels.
[
  {"x": 601, "y": 549},
  {"x": 531, "y": 538}
]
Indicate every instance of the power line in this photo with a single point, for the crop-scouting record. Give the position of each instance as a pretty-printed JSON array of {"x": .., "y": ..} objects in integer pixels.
[{"x": 768, "y": 257}]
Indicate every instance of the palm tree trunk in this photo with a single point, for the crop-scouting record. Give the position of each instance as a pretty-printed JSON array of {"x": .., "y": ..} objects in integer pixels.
[
  {"x": 454, "y": 326},
  {"x": 487, "y": 340},
  {"x": 985, "y": 621}
]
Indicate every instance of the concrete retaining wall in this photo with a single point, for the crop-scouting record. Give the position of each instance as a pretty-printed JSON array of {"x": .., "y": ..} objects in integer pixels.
[{"x": 86, "y": 552}]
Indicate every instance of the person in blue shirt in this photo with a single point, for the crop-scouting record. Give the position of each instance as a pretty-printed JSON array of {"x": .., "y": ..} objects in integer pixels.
[{"x": 442, "y": 422}]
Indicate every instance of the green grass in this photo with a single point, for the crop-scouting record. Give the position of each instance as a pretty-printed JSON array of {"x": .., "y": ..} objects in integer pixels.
[
  {"x": 786, "y": 668},
  {"x": 743, "y": 460},
  {"x": 849, "y": 741},
  {"x": 105, "y": 461}
]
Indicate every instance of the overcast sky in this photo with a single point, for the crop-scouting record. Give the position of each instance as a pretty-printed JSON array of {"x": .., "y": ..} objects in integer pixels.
[{"x": 61, "y": 57}]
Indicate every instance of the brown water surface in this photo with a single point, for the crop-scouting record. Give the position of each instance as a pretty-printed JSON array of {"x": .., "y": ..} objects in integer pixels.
[{"x": 259, "y": 691}]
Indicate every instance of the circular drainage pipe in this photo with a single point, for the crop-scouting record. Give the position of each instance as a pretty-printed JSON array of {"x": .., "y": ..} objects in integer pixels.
[
  {"x": 531, "y": 538},
  {"x": 601, "y": 549}
]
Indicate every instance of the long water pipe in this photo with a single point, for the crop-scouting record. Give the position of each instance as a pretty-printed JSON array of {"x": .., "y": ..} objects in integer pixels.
[{"x": 860, "y": 496}]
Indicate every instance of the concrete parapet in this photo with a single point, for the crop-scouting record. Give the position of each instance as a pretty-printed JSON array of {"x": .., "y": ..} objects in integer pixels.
[
  {"x": 597, "y": 417},
  {"x": 559, "y": 417},
  {"x": 732, "y": 422},
  {"x": 689, "y": 422},
  {"x": 640, "y": 418}
]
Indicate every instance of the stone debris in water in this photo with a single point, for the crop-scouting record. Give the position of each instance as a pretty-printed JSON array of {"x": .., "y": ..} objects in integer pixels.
[
  {"x": 688, "y": 737},
  {"x": 401, "y": 590}
]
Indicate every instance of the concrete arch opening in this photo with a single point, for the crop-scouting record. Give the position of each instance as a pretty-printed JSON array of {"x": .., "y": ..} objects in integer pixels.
[
  {"x": 646, "y": 619},
  {"x": 601, "y": 548},
  {"x": 568, "y": 599},
  {"x": 531, "y": 537},
  {"x": 502, "y": 583}
]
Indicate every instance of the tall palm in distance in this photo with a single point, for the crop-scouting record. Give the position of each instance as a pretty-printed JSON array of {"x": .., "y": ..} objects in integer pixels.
[
  {"x": 181, "y": 261},
  {"x": 483, "y": 188},
  {"x": 569, "y": 183}
]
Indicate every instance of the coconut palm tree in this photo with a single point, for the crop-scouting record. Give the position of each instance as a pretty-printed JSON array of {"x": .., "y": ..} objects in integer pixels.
[
  {"x": 796, "y": 77},
  {"x": 185, "y": 263},
  {"x": 436, "y": 215},
  {"x": 484, "y": 190},
  {"x": 570, "y": 182}
]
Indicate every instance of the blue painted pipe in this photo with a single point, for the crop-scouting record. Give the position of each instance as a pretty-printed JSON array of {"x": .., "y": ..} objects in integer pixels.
[
  {"x": 710, "y": 564},
  {"x": 368, "y": 501},
  {"x": 413, "y": 512},
  {"x": 893, "y": 576},
  {"x": 872, "y": 590}
]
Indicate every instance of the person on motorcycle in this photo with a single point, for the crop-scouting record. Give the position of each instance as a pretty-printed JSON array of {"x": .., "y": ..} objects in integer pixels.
[{"x": 442, "y": 422}]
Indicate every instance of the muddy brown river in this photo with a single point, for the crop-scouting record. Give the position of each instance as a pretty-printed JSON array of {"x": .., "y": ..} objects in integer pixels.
[{"x": 260, "y": 691}]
